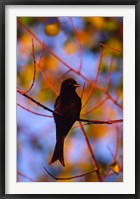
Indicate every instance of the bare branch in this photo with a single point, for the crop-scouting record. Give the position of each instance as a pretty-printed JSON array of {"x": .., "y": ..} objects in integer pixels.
[
  {"x": 36, "y": 102},
  {"x": 95, "y": 81},
  {"x": 43, "y": 115},
  {"x": 97, "y": 106},
  {"x": 34, "y": 61},
  {"x": 78, "y": 42},
  {"x": 24, "y": 176},
  {"x": 69, "y": 67},
  {"x": 117, "y": 143},
  {"x": 81, "y": 120},
  {"x": 114, "y": 49},
  {"x": 91, "y": 152},
  {"x": 83, "y": 90},
  {"x": 110, "y": 69},
  {"x": 69, "y": 178},
  {"x": 47, "y": 79},
  {"x": 41, "y": 53},
  {"x": 100, "y": 122}
]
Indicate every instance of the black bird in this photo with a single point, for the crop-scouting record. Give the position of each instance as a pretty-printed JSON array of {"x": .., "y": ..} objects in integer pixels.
[{"x": 66, "y": 111}]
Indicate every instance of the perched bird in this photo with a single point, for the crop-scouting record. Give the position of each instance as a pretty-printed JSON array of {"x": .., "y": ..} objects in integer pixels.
[{"x": 66, "y": 111}]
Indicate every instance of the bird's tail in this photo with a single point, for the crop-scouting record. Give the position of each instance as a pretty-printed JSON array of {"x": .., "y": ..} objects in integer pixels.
[{"x": 58, "y": 151}]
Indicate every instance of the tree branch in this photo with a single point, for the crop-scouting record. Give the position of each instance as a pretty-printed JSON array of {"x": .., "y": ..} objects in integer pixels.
[
  {"x": 114, "y": 49},
  {"x": 78, "y": 42},
  {"x": 34, "y": 74},
  {"x": 80, "y": 119},
  {"x": 91, "y": 153},
  {"x": 24, "y": 176},
  {"x": 43, "y": 115},
  {"x": 100, "y": 122},
  {"x": 69, "y": 178},
  {"x": 97, "y": 106},
  {"x": 96, "y": 78},
  {"x": 69, "y": 67},
  {"x": 36, "y": 102}
]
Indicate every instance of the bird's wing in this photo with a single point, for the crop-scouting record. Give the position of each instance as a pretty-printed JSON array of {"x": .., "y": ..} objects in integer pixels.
[
  {"x": 67, "y": 107},
  {"x": 79, "y": 106},
  {"x": 56, "y": 102}
]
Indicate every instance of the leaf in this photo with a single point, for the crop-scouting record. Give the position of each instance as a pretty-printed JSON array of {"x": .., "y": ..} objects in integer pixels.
[
  {"x": 97, "y": 22},
  {"x": 70, "y": 47},
  {"x": 25, "y": 77},
  {"x": 50, "y": 63},
  {"x": 115, "y": 167},
  {"x": 52, "y": 29}
]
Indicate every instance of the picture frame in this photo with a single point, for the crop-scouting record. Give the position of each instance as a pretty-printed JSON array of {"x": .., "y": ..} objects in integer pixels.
[{"x": 3, "y": 99}]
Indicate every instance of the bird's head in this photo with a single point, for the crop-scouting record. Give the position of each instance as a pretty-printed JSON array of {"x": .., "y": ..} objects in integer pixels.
[{"x": 69, "y": 85}]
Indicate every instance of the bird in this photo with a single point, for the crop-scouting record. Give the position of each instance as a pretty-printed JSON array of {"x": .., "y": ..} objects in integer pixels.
[{"x": 67, "y": 109}]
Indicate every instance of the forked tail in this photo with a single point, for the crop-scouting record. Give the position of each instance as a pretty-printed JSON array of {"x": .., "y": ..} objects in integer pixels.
[{"x": 58, "y": 151}]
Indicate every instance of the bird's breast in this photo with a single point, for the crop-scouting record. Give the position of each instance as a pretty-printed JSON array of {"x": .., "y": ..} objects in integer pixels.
[{"x": 68, "y": 106}]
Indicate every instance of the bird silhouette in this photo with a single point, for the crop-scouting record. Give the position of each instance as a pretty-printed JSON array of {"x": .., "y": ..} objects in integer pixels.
[{"x": 66, "y": 111}]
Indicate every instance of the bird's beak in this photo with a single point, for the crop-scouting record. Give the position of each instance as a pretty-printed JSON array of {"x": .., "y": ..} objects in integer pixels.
[{"x": 76, "y": 85}]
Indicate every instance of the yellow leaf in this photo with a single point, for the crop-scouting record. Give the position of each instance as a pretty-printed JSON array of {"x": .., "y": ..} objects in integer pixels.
[
  {"x": 26, "y": 44},
  {"x": 49, "y": 63},
  {"x": 52, "y": 29},
  {"x": 26, "y": 76},
  {"x": 87, "y": 38},
  {"x": 83, "y": 36},
  {"x": 70, "y": 47},
  {"x": 98, "y": 22},
  {"x": 115, "y": 167}
]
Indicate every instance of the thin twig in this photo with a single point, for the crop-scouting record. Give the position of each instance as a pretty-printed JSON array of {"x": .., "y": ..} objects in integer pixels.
[
  {"x": 108, "y": 174},
  {"x": 96, "y": 78},
  {"x": 110, "y": 151},
  {"x": 110, "y": 69},
  {"x": 24, "y": 176},
  {"x": 36, "y": 102},
  {"x": 100, "y": 122},
  {"x": 78, "y": 42},
  {"x": 69, "y": 67},
  {"x": 60, "y": 78},
  {"x": 39, "y": 114},
  {"x": 114, "y": 156},
  {"x": 64, "y": 74},
  {"x": 97, "y": 106},
  {"x": 117, "y": 143},
  {"x": 80, "y": 119},
  {"x": 83, "y": 90},
  {"x": 118, "y": 50},
  {"x": 44, "y": 74},
  {"x": 34, "y": 61},
  {"x": 41, "y": 53},
  {"x": 68, "y": 178},
  {"x": 96, "y": 167},
  {"x": 47, "y": 79}
]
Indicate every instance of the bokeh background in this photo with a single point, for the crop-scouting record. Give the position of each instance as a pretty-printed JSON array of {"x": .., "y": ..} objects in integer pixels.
[{"x": 79, "y": 42}]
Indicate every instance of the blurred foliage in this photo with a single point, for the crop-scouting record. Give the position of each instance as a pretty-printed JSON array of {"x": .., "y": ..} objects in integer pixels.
[
  {"x": 52, "y": 27},
  {"x": 36, "y": 134}
]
